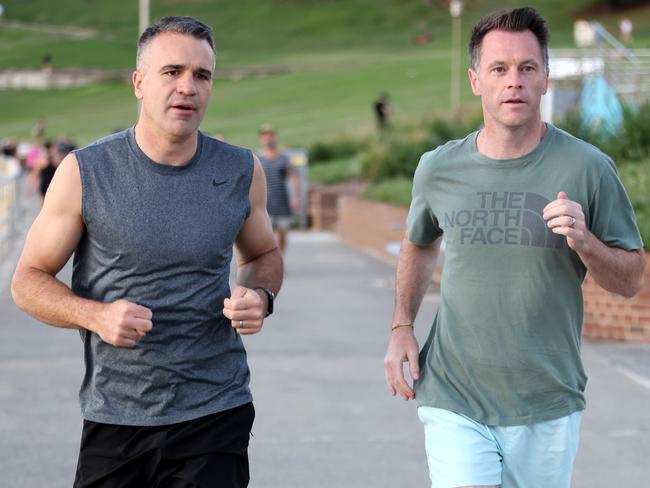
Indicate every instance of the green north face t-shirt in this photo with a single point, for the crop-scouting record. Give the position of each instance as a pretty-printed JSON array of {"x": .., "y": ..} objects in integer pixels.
[{"x": 504, "y": 348}]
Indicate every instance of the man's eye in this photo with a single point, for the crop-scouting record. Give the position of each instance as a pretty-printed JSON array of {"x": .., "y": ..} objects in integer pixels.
[
  {"x": 499, "y": 69},
  {"x": 171, "y": 72}
]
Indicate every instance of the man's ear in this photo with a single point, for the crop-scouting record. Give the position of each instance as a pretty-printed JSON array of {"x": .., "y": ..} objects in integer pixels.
[
  {"x": 473, "y": 80},
  {"x": 136, "y": 79}
]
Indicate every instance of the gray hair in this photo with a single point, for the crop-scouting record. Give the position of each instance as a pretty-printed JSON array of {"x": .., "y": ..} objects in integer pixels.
[{"x": 178, "y": 25}]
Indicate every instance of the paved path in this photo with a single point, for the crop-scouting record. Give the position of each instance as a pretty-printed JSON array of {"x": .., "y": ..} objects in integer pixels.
[{"x": 324, "y": 418}]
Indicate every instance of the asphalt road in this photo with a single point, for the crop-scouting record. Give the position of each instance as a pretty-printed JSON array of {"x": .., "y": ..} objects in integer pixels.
[{"x": 324, "y": 417}]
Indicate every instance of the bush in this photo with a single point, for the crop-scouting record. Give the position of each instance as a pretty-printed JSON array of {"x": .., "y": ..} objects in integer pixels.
[
  {"x": 398, "y": 155},
  {"x": 396, "y": 191},
  {"x": 636, "y": 179},
  {"x": 393, "y": 159},
  {"x": 335, "y": 171},
  {"x": 630, "y": 143},
  {"x": 336, "y": 149}
]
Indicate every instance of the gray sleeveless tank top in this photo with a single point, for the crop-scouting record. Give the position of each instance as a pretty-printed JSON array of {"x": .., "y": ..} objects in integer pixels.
[{"x": 162, "y": 236}]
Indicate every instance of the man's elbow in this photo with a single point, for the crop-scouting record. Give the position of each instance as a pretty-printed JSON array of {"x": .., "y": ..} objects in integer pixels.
[
  {"x": 635, "y": 286},
  {"x": 637, "y": 280},
  {"x": 17, "y": 288}
]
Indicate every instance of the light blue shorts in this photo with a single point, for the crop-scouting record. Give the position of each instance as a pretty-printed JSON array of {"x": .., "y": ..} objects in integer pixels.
[{"x": 462, "y": 452}]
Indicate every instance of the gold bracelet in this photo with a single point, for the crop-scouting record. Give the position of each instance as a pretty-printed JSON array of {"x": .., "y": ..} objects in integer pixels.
[{"x": 397, "y": 326}]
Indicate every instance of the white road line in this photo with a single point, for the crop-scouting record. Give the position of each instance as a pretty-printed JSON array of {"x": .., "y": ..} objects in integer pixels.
[{"x": 637, "y": 378}]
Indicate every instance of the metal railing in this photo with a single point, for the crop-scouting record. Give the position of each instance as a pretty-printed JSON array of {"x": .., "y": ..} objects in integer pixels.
[
  {"x": 630, "y": 78},
  {"x": 8, "y": 212}
]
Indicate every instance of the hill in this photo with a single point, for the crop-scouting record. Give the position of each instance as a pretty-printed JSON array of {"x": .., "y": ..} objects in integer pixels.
[{"x": 340, "y": 54}]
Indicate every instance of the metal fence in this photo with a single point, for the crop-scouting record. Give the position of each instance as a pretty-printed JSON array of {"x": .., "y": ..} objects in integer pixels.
[
  {"x": 628, "y": 77},
  {"x": 8, "y": 212}
]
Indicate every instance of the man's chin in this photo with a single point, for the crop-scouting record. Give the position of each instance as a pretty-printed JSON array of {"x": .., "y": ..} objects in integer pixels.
[{"x": 182, "y": 130}]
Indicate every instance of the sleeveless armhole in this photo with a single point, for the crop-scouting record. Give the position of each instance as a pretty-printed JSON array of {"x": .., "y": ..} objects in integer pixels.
[
  {"x": 82, "y": 177},
  {"x": 249, "y": 183}
]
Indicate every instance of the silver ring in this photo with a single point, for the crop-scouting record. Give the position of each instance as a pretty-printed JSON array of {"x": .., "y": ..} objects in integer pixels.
[
  {"x": 573, "y": 221},
  {"x": 241, "y": 324}
]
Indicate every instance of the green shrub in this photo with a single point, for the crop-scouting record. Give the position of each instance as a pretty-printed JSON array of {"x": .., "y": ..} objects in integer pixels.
[
  {"x": 636, "y": 132},
  {"x": 335, "y": 149},
  {"x": 393, "y": 159},
  {"x": 334, "y": 171},
  {"x": 631, "y": 142},
  {"x": 396, "y": 191},
  {"x": 399, "y": 154},
  {"x": 636, "y": 179}
]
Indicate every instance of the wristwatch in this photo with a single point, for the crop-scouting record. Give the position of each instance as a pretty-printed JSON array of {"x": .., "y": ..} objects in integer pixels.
[{"x": 270, "y": 297}]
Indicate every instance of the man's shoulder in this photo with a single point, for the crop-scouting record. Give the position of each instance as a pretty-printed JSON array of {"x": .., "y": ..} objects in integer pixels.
[
  {"x": 219, "y": 146},
  {"x": 115, "y": 138},
  {"x": 580, "y": 151},
  {"x": 448, "y": 152}
]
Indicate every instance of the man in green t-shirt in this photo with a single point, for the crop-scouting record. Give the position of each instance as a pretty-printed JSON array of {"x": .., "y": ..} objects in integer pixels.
[{"x": 525, "y": 210}]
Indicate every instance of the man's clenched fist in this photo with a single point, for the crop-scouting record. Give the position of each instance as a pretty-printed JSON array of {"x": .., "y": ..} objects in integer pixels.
[
  {"x": 122, "y": 323},
  {"x": 245, "y": 308}
]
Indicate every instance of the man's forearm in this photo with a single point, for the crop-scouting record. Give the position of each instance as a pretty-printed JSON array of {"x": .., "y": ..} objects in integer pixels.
[
  {"x": 49, "y": 300},
  {"x": 616, "y": 270},
  {"x": 414, "y": 271},
  {"x": 265, "y": 270}
]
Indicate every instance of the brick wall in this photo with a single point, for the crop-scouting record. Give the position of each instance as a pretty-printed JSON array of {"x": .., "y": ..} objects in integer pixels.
[
  {"x": 374, "y": 226},
  {"x": 324, "y": 203},
  {"x": 608, "y": 316}
]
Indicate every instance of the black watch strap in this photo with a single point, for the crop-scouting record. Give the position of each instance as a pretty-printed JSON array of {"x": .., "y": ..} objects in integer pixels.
[{"x": 270, "y": 298}]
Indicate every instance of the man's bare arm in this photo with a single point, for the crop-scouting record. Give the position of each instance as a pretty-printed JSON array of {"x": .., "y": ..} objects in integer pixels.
[
  {"x": 616, "y": 270},
  {"x": 52, "y": 239},
  {"x": 259, "y": 262},
  {"x": 414, "y": 271}
]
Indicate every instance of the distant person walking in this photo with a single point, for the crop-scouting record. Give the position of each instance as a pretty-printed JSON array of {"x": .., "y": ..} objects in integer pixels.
[
  {"x": 55, "y": 154},
  {"x": 381, "y": 109},
  {"x": 9, "y": 164},
  {"x": 625, "y": 30},
  {"x": 525, "y": 210},
  {"x": 151, "y": 214},
  {"x": 282, "y": 183}
]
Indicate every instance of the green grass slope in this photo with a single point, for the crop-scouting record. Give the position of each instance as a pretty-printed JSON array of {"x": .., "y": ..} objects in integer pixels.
[{"x": 340, "y": 55}]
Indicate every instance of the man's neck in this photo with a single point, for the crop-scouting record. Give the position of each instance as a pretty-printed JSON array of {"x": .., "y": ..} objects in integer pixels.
[
  {"x": 163, "y": 149},
  {"x": 499, "y": 142}
]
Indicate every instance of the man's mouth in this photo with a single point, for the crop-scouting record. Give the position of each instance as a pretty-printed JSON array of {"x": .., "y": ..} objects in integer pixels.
[
  {"x": 514, "y": 101},
  {"x": 184, "y": 107}
]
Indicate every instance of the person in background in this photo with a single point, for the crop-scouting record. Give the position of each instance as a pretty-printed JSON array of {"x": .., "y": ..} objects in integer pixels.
[
  {"x": 282, "y": 183},
  {"x": 381, "y": 109},
  {"x": 55, "y": 154}
]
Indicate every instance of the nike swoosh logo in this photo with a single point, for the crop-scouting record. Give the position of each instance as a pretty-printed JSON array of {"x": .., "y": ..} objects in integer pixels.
[{"x": 218, "y": 183}]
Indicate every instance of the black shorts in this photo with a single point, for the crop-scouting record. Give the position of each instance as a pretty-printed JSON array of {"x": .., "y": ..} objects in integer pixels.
[{"x": 208, "y": 452}]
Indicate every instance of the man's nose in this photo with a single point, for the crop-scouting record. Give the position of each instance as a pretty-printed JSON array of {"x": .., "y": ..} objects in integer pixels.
[
  {"x": 186, "y": 84},
  {"x": 514, "y": 79}
]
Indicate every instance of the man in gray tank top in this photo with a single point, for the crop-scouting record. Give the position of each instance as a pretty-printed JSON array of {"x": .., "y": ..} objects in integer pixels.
[{"x": 152, "y": 214}]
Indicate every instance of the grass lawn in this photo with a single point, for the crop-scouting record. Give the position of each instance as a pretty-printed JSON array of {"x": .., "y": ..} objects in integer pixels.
[
  {"x": 266, "y": 31},
  {"x": 396, "y": 191},
  {"x": 340, "y": 55},
  {"x": 327, "y": 96},
  {"x": 335, "y": 171}
]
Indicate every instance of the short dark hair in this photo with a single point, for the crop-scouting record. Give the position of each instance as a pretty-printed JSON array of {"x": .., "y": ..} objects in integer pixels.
[
  {"x": 178, "y": 25},
  {"x": 515, "y": 20}
]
